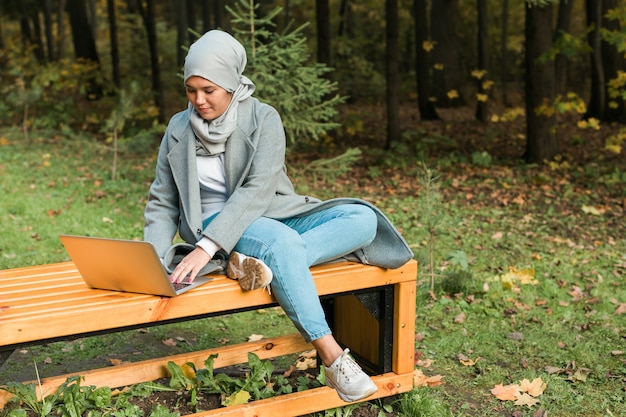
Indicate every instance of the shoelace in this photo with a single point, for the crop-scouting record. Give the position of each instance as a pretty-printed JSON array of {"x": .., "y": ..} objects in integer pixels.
[{"x": 348, "y": 362}]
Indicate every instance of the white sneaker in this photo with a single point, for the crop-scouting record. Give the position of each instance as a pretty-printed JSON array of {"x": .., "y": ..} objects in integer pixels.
[
  {"x": 345, "y": 376},
  {"x": 251, "y": 273}
]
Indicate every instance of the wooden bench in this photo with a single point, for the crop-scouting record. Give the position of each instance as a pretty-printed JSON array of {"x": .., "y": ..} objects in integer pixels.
[{"x": 371, "y": 310}]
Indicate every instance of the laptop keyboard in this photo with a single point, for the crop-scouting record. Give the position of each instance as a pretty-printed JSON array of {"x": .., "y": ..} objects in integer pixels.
[{"x": 181, "y": 285}]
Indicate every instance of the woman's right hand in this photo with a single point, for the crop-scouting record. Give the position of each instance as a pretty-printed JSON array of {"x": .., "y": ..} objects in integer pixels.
[{"x": 190, "y": 266}]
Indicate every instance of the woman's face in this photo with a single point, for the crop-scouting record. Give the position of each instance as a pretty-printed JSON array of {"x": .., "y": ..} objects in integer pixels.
[{"x": 209, "y": 100}]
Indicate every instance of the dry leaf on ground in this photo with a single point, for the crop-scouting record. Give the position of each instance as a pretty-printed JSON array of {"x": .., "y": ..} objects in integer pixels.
[
  {"x": 506, "y": 393},
  {"x": 525, "y": 399},
  {"x": 421, "y": 380},
  {"x": 534, "y": 388}
]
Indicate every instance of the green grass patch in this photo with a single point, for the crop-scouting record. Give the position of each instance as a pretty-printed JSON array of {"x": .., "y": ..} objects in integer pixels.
[{"x": 480, "y": 326}]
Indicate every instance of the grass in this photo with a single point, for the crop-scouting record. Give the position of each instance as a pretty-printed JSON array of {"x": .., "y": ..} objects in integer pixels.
[{"x": 560, "y": 225}]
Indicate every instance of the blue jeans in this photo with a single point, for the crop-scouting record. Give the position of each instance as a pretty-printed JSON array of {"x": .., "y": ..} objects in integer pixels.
[{"x": 290, "y": 246}]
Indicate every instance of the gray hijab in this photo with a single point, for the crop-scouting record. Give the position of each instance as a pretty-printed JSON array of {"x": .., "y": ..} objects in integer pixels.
[{"x": 221, "y": 59}]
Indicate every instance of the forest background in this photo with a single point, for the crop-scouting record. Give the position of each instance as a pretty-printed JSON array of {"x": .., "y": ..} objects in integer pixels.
[{"x": 489, "y": 131}]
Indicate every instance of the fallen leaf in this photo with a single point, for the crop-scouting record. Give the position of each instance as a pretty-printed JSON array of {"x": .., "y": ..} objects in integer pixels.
[
  {"x": 581, "y": 375},
  {"x": 306, "y": 363},
  {"x": 460, "y": 318},
  {"x": 465, "y": 361},
  {"x": 621, "y": 309},
  {"x": 506, "y": 393},
  {"x": 169, "y": 342},
  {"x": 525, "y": 399},
  {"x": 534, "y": 388},
  {"x": 424, "y": 363},
  {"x": 497, "y": 235},
  {"x": 421, "y": 380},
  {"x": 255, "y": 337},
  {"x": 115, "y": 362}
]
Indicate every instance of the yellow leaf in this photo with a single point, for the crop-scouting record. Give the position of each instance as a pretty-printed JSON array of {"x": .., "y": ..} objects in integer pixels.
[
  {"x": 452, "y": 94},
  {"x": 421, "y": 380},
  {"x": 525, "y": 399},
  {"x": 428, "y": 46},
  {"x": 438, "y": 66},
  {"x": 534, "y": 388},
  {"x": 591, "y": 210},
  {"x": 255, "y": 337},
  {"x": 304, "y": 364},
  {"x": 239, "y": 397},
  {"x": 188, "y": 371},
  {"x": 506, "y": 393}
]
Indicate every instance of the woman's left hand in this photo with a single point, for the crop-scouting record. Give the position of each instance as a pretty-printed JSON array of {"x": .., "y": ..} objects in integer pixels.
[{"x": 190, "y": 266}]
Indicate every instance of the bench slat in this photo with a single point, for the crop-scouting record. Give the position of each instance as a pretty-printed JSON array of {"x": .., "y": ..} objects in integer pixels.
[{"x": 61, "y": 311}]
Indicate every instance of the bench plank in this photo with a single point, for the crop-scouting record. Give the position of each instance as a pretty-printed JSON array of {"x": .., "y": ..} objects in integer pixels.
[{"x": 74, "y": 309}]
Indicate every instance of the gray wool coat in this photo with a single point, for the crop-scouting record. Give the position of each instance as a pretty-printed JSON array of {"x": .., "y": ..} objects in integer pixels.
[{"x": 257, "y": 185}]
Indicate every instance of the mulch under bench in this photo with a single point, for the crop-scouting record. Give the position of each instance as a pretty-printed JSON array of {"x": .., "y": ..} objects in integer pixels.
[{"x": 371, "y": 309}]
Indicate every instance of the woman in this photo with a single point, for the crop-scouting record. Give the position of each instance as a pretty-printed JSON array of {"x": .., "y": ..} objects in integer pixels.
[{"x": 221, "y": 185}]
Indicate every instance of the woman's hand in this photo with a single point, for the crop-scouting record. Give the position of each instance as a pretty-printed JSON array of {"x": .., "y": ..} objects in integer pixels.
[{"x": 190, "y": 266}]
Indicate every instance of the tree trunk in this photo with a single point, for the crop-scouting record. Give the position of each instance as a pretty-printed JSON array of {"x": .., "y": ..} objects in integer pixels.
[
  {"x": 393, "y": 74},
  {"x": 47, "y": 18},
  {"x": 503, "y": 51},
  {"x": 218, "y": 13},
  {"x": 191, "y": 22},
  {"x": 115, "y": 52},
  {"x": 595, "y": 108},
  {"x": 483, "y": 60},
  {"x": 345, "y": 19},
  {"x": 181, "y": 33},
  {"x": 447, "y": 80},
  {"x": 61, "y": 30},
  {"x": 157, "y": 90},
  {"x": 40, "y": 53},
  {"x": 613, "y": 61},
  {"x": 84, "y": 43},
  {"x": 560, "y": 63},
  {"x": 541, "y": 143},
  {"x": 322, "y": 19},
  {"x": 206, "y": 15},
  {"x": 422, "y": 65}
]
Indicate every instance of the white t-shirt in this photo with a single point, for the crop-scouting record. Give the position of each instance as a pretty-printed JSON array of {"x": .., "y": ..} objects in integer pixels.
[{"x": 213, "y": 194}]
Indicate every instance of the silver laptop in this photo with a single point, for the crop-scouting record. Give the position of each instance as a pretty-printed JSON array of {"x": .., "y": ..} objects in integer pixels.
[{"x": 123, "y": 265}]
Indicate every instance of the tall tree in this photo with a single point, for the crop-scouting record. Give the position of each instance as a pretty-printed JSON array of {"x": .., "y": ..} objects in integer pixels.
[
  {"x": 422, "y": 65},
  {"x": 563, "y": 21},
  {"x": 84, "y": 43},
  {"x": 504, "y": 38},
  {"x": 148, "y": 17},
  {"x": 61, "y": 29},
  {"x": 181, "y": 32},
  {"x": 483, "y": 60},
  {"x": 597, "y": 99},
  {"x": 205, "y": 6},
  {"x": 322, "y": 19},
  {"x": 614, "y": 62},
  {"x": 393, "y": 72},
  {"x": 47, "y": 18},
  {"x": 115, "y": 52},
  {"x": 541, "y": 143},
  {"x": 446, "y": 80},
  {"x": 191, "y": 21},
  {"x": 345, "y": 18}
]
